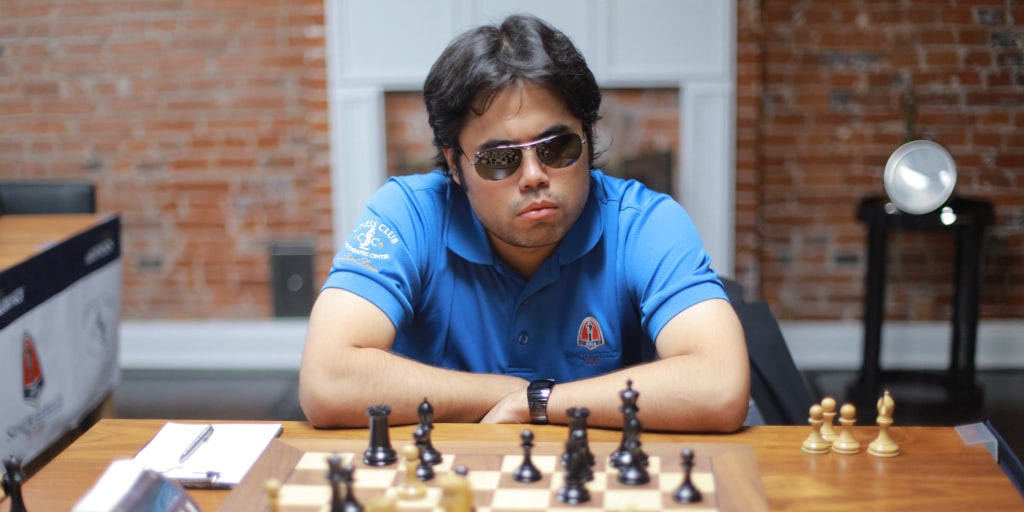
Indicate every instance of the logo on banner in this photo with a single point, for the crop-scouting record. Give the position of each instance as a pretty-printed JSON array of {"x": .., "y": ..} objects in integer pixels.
[
  {"x": 31, "y": 371},
  {"x": 101, "y": 326},
  {"x": 589, "y": 335}
]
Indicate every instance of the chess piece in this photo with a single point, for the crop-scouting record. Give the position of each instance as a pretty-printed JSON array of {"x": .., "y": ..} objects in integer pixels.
[
  {"x": 815, "y": 444},
  {"x": 883, "y": 445},
  {"x": 334, "y": 477},
  {"x": 845, "y": 443},
  {"x": 380, "y": 452},
  {"x": 341, "y": 477},
  {"x": 574, "y": 490},
  {"x": 629, "y": 411},
  {"x": 424, "y": 470},
  {"x": 526, "y": 472},
  {"x": 578, "y": 422},
  {"x": 631, "y": 451},
  {"x": 273, "y": 488},
  {"x": 412, "y": 488},
  {"x": 687, "y": 492},
  {"x": 828, "y": 414},
  {"x": 456, "y": 493},
  {"x": 382, "y": 503},
  {"x": 426, "y": 427},
  {"x": 14, "y": 478},
  {"x": 349, "y": 502}
]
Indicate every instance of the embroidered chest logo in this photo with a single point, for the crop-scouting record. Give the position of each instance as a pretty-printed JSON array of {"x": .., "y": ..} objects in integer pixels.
[{"x": 589, "y": 335}]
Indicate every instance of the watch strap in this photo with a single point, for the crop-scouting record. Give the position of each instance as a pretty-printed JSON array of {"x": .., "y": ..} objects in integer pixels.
[{"x": 537, "y": 395}]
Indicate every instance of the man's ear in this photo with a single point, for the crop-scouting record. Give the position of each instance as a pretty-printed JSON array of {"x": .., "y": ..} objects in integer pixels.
[{"x": 450, "y": 157}]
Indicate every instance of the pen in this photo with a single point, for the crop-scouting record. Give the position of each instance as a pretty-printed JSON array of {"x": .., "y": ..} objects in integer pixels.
[{"x": 196, "y": 443}]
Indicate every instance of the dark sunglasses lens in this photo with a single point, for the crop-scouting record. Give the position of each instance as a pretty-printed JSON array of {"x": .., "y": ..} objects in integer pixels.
[
  {"x": 498, "y": 163},
  {"x": 561, "y": 151}
]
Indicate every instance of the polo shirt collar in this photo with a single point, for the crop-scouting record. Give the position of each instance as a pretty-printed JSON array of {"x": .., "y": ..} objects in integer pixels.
[{"x": 466, "y": 236}]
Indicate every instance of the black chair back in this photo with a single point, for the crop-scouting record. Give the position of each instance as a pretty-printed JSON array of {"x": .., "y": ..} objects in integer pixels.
[
  {"x": 23, "y": 197},
  {"x": 776, "y": 385}
]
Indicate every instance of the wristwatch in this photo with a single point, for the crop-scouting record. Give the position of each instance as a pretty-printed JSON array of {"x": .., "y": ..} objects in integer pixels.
[{"x": 537, "y": 394}]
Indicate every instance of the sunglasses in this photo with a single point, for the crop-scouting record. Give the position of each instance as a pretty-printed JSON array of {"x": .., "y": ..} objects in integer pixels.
[{"x": 555, "y": 151}]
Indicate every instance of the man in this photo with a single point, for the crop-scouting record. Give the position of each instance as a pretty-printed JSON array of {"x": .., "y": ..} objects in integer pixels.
[{"x": 521, "y": 282}]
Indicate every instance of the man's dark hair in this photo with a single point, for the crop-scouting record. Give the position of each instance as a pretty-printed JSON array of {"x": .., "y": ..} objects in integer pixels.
[{"x": 478, "y": 64}]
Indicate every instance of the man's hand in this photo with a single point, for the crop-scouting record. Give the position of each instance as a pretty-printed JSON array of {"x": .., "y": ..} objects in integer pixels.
[{"x": 512, "y": 408}]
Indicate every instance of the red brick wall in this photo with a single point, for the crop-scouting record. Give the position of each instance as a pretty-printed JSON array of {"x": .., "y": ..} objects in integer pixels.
[
  {"x": 834, "y": 75},
  {"x": 205, "y": 125}
]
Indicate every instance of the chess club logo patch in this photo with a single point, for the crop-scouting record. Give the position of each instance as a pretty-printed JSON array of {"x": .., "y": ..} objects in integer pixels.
[
  {"x": 31, "y": 371},
  {"x": 589, "y": 335},
  {"x": 367, "y": 245}
]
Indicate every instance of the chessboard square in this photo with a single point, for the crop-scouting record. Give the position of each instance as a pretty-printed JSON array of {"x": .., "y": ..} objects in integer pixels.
[
  {"x": 633, "y": 499},
  {"x": 520, "y": 499},
  {"x": 445, "y": 465},
  {"x": 703, "y": 481},
  {"x": 305, "y": 495},
  {"x": 318, "y": 460},
  {"x": 375, "y": 478},
  {"x": 484, "y": 479}
]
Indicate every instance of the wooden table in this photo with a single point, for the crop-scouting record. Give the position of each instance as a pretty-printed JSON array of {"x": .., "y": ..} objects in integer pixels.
[
  {"x": 24, "y": 236},
  {"x": 935, "y": 472}
]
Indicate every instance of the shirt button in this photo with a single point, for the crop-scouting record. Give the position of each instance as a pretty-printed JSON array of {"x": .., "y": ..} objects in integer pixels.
[{"x": 524, "y": 339}]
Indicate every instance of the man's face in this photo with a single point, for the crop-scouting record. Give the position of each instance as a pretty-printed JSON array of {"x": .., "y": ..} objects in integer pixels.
[{"x": 527, "y": 213}]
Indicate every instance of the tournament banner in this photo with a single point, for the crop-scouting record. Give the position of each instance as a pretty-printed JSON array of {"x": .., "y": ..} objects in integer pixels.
[{"x": 60, "y": 314}]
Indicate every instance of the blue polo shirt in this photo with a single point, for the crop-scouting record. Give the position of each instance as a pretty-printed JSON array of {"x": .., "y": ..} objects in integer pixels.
[{"x": 630, "y": 263}]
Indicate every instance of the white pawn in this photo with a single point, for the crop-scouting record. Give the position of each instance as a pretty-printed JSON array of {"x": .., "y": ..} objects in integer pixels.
[
  {"x": 883, "y": 445},
  {"x": 846, "y": 444},
  {"x": 412, "y": 488},
  {"x": 815, "y": 444},
  {"x": 828, "y": 414},
  {"x": 456, "y": 493},
  {"x": 273, "y": 488},
  {"x": 382, "y": 503}
]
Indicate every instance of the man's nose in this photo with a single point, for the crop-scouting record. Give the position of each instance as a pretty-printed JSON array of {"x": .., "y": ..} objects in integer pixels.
[{"x": 534, "y": 173}]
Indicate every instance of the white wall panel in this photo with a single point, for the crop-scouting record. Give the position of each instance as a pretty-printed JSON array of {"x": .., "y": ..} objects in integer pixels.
[
  {"x": 662, "y": 40},
  {"x": 391, "y": 42}
]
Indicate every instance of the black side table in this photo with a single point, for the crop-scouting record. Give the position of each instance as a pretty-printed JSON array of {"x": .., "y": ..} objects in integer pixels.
[{"x": 966, "y": 219}]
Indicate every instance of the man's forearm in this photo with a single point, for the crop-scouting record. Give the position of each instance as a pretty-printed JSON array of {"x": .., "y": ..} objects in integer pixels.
[
  {"x": 337, "y": 396},
  {"x": 678, "y": 394}
]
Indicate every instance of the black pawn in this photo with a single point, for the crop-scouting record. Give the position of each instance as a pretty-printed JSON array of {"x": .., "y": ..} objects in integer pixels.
[
  {"x": 380, "y": 452},
  {"x": 14, "y": 478},
  {"x": 424, "y": 470},
  {"x": 687, "y": 492},
  {"x": 526, "y": 472}
]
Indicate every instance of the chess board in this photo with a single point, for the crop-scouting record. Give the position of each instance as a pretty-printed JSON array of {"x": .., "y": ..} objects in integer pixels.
[{"x": 726, "y": 475}]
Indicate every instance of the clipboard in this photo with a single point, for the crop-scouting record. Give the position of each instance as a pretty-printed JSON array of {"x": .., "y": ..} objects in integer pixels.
[{"x": 183, "y": 453}]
